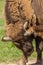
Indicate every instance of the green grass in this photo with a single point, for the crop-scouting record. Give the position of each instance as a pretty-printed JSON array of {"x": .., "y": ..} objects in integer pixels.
[
  {"x": 1, "y": 6},
  {"x": 8, "y": 52},
  {"x": 1, "y": 22}
]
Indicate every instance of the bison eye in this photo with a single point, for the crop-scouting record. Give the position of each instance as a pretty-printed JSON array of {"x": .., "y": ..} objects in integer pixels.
[{"x": 31, "y": 24}]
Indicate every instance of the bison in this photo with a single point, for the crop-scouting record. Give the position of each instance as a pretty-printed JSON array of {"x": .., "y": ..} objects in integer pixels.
[{"x": 21, "y": 19}]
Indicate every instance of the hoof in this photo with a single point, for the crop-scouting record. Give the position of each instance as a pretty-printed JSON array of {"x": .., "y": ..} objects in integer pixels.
[{"x": 38, "y": 63}]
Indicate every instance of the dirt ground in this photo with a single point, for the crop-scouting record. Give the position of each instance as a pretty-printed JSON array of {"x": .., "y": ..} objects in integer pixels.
[{"x": 31, "y": 62}]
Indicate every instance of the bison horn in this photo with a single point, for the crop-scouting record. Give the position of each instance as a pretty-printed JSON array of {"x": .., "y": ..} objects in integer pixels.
[{"x": 6, "y": 38}]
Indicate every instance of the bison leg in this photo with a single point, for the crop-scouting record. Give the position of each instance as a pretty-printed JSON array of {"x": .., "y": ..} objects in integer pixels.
[
  {"x": 23, "y": 60},
  {"x": 39, "y": 51},
  {"x": 39, "y": 57},
  {"x": 27, "y": 49}
]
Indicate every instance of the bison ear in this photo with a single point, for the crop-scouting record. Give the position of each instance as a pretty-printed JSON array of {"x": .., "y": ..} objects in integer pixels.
[{"x": 6, "y": 38}]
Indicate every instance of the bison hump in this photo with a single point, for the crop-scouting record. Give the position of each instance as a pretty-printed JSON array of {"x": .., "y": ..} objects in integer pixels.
[{"x": 13, "y": 13}]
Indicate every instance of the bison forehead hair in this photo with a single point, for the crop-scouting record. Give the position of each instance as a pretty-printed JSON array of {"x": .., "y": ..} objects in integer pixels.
[
  {"x": 12, "y": 12},
  {"x": 16, "y": 12}
]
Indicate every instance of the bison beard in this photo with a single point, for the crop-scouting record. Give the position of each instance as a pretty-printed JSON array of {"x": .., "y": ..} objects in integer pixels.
[{"x": 17, "y": 12}]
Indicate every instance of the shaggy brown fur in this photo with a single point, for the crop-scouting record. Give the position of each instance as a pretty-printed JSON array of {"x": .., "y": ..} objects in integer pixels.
[
  {"x": 38, "y": 9},
  {"x": 38, "y": 28},
  {"x": 17, "y": 12}
]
